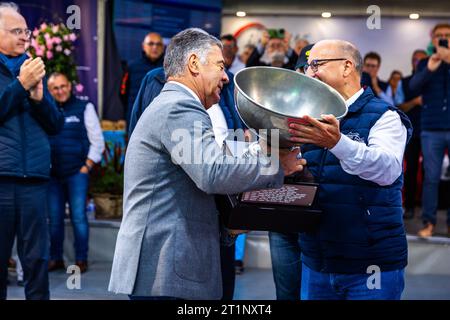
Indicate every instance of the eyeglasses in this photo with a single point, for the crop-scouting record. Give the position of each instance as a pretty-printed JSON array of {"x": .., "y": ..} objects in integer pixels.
[
  {"x": 316, "y": 63},
  {"x": 18, "y": 32},
  {"x": 61, "y": 87},
  {"x": 442, "y": 35},
  {"x": 370, "y": 65},
  {"x": 156, "y": 44}
]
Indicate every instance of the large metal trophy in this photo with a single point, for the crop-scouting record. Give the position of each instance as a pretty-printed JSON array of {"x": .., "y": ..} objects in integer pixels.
[{"x": 271, "y": 98}]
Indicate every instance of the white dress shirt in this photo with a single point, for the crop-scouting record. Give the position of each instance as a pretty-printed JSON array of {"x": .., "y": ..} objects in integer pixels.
[
  {"x": 94, "y": 133},
  {"x": 216, "y": 115},
  {"x": 219, "y": 123},
  {"x": 236, "y": 65},
  {"x": 381, "y": 160}
]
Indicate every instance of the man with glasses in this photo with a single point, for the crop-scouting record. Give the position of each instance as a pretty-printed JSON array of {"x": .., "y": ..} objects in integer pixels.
[
  {"x": 369, "y": 77},
  {"x": 432, "y": 80},
  {"x": 152, "y": 57},
  {"x": 358, "y": 164},
  {"x": 27, "y": 115}
]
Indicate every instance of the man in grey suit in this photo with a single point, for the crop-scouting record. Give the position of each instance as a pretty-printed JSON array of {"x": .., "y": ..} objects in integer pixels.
[{"x": 168, "y": 243}]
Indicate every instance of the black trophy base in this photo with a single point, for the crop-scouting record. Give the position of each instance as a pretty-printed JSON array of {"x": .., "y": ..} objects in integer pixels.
[{"x": 290, "y": 209}]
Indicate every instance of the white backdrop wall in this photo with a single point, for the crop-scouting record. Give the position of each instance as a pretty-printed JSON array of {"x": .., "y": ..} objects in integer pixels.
[{"x": 395, "y": 41}]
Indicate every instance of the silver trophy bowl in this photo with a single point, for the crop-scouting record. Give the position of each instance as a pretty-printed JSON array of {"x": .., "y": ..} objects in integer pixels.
[{"x": 271, "y": 98}]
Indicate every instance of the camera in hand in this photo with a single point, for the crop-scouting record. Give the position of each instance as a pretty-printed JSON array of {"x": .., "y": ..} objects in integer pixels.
[
  {"x": 276, "y": 33},
  {"x": 443, "y": 43}
]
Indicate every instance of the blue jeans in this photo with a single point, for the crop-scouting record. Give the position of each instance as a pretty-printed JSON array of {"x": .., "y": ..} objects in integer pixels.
[
  {"x": 73, "y": 190},
  {"x": 433, "y": 148},
  {"x": 286, "y": 264},
  {"x": 335, "y": 286}
]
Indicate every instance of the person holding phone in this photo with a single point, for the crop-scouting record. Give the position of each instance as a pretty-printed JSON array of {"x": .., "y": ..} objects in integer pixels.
[
  {"x": 273, "y": 50},
  {"x": 432, "y": 80}
]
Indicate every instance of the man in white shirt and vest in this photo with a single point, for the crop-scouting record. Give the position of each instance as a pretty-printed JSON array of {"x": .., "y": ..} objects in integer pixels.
[
  {"x": 357, "y": 162},
  {"x": 75, "y": 150}
]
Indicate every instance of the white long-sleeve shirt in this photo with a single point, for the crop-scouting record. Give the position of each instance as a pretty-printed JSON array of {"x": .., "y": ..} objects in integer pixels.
[
  {"x": 379, "y": 161},
  {"x": 94, "y": 133}
]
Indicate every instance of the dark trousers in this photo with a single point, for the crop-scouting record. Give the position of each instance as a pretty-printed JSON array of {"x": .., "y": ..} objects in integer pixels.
[
  {"x": 434, "y": 144},
  {"x": 412, "y": 154},
  {"x": 23, "y": 214},
  {"x": 228, "y": 272}
]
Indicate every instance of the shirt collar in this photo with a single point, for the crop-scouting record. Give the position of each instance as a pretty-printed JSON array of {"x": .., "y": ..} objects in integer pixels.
[
  {"x": 187, "y": 89},
  {"x": 353, "y": 98}
]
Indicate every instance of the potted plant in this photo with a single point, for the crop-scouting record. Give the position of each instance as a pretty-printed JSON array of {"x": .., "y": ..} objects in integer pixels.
[{"x": 106, "y": 186}]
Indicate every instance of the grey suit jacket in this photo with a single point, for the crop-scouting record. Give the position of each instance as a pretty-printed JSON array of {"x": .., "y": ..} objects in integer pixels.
[{"x": 168, "y": 243}]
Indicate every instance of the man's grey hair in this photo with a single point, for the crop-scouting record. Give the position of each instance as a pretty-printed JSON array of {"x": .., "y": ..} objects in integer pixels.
[
  {"x": 187, "y": 42},
  {"x": 349, "y": 50},
  {"x": 7, "y": 5}
]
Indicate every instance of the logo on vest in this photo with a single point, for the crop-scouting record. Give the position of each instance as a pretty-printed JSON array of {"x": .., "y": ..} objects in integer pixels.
[
  {"x": 355, "y": 137},
  {"x": 72, "y": 119}
]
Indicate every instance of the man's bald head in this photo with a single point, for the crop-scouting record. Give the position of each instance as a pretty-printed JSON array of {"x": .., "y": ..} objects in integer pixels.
[
  {"x": 153, "y": 46},
  {"x": 338, "y": 63},
  {"x": 343, "y": 49}
]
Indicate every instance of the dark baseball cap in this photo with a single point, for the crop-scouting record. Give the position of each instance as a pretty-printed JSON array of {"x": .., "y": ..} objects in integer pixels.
[{"x": 303, "y": 56}]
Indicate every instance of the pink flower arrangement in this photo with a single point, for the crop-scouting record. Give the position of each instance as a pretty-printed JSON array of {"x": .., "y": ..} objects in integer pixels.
[
  {"x": 79, "y": 88},
  {"x": 54, "y": 43}
]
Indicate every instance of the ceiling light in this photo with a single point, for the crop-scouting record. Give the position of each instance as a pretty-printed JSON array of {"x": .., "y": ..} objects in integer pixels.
[
  {"x": 414, "y": 16},
  {"x": 241, "y": 14},
  {"x": 326, "y": 14}
]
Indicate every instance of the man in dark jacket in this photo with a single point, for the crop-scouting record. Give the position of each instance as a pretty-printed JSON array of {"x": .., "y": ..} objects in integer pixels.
[
  {"x": 152, "y": 57},
  {"x": 27, "y": 115},
  {"x": 413, "y": 108},
  {"x": 369, "y": 76},
  {"x": 360, "y": 248},
  {"x": 432, "y": 80}
]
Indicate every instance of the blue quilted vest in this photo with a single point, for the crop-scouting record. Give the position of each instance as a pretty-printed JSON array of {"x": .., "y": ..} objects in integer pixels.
[
  {"x": 362, "y": 223},
  {"x": 71, "y": 146}
]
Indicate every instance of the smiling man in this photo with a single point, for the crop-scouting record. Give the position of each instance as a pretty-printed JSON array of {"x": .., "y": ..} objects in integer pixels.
[
  {"x": 75, "y": 150},
  {"x": 168, "y": 242},
  {"x": 358, "y": 164},
  {"x": 27, "y": 115}
]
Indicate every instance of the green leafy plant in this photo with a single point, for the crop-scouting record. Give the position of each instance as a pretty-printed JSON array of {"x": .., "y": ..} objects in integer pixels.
[{"x": 108, "y": 178}]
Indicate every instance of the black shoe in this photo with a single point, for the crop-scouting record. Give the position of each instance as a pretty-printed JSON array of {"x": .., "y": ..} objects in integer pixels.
[
  {"x": 11, "y": 264},
  {"x": 83, "y": 265},
  {"x": 56, "y": 265},
  {"x": 408, "y": 214}
]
